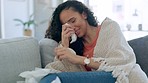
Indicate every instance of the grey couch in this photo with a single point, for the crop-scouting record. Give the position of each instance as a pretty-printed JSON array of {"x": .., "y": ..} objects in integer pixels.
[
  {"x": 26, "y": 53},
  {"x": 17, "y": 55},
  {"x": 140, "y": 47},
  {"x": 23, "y": 54}
]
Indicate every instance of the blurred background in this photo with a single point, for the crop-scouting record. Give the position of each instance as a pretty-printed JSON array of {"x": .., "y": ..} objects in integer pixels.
[{"x": 16, "y": 16}]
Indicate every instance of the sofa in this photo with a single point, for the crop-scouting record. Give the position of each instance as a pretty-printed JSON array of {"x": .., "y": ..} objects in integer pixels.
[
  {"x": 26, "y": 53},
  {"x": 18, "y": 55}
]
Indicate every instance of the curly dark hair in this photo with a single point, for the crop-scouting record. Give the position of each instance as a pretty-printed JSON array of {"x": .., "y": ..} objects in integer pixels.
[{"x": 55, "y": 28}]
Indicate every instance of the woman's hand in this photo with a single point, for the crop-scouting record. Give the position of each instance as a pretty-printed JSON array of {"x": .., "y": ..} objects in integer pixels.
[
  {"x": 63, "y": 53},
  {"x": 67, "y": 31}
]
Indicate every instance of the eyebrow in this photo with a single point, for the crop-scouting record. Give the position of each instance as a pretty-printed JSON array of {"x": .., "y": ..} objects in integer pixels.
[{"x": 69, "y": 20}]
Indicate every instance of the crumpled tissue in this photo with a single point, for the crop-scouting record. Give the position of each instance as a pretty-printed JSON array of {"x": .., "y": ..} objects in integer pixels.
[{"x": 36, "y": 75}]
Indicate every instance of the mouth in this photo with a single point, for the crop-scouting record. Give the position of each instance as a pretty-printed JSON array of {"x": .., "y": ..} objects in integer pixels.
[{"x": 77, "y": 32}]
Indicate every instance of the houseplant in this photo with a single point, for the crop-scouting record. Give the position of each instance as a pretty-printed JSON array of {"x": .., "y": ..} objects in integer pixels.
[{"x": 26, "y": 25}]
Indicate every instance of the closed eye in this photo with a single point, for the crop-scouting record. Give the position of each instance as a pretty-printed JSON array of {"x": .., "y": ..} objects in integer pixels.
[{"x": 72, "y": 20}]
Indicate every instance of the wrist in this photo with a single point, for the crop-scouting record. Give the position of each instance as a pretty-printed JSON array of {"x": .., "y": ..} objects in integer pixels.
[
  {"x": 80, "y": 60},
  {"x": 86, "y": 61},
  {"x": 63, "y": 45}
]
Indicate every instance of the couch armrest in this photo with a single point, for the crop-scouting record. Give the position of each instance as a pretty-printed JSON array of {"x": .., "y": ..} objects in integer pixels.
[
  {"x": 140, "y": 47},
  {"x": 47, "y": 50},
  {"x": 16, "y": 56},
  {"x": 81, "y": 77}
]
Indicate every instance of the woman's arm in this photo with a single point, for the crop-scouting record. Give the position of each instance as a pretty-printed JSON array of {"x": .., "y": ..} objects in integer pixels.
[
  {"x": 93, "y": 64},
  {"x": 63, "y": 53}
]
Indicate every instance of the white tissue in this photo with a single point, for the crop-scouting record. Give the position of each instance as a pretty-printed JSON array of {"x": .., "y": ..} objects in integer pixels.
[
  {"x": 36, "y": 75},
  {"x": 73, "y": 38},
  {"x": 57, "y": 80}
]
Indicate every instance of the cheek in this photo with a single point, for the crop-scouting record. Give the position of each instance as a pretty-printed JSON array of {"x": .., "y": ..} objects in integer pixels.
[
  {"x": 82, "y": 31},
  {"x": 81, "y": 24}
]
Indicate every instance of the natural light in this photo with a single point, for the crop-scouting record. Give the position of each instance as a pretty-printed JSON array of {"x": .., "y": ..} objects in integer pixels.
[{"x": 130, "y": 14}]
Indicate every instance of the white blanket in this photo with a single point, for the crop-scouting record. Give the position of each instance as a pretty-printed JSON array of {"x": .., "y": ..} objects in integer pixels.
[{"x": 114, "y": 54}]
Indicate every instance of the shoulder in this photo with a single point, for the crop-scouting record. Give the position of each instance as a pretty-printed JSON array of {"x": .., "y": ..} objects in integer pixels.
[
  {"x": 109, "y": 24},
  {"x": 107, "y": 21},
  {"x": 110, "y": 30}
]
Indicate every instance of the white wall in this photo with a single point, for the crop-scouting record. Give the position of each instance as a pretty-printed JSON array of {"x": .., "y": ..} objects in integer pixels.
[
  {"x": 12, "y": 9},
  {"x": 43, "y": 11},
  {"x": 141, "y": 6},
  {"x": 0, "y": 20},
  {"x": 124, "y": 15},
  {"x": 101, "y": 9}
]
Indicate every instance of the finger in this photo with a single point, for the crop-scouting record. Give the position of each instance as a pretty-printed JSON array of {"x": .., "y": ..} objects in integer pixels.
[
  {"x": 55, "y": 50},
  {"x": 59, "y": 48},
  {"x": 68, "y": 35},
  {"x": 65, "y": 26},
  {"x": 60, "y": 51},
  {"x": 62, "y": 57},
  {"x": 68, "y": 30}
]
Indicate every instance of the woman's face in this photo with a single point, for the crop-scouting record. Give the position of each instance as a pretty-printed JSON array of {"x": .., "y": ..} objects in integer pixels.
[{"x": 75, "y": 19}]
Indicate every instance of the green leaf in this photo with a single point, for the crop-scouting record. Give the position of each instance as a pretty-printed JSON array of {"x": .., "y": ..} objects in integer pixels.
[
  {"x": 27, "y": 23},
  {"x": 19, "y": 21}
]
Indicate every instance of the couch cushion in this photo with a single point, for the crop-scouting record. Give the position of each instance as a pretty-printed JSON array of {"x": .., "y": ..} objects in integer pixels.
[
  {"x": 140, "y": 47},
  {"x": 17, "y": 55},
  {"x": 47, "y": 50}
]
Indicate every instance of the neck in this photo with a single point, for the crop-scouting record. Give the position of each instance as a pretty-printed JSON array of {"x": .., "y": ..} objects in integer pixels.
[{"x": 90, "y": 34}]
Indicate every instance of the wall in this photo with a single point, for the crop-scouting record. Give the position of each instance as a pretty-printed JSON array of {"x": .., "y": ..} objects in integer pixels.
[
  {"x": 142, "y": 13},
  {"x": 0, "y": 20},
  {"x": 12, "y": 9},
  {"x": 43, "y": 11}
]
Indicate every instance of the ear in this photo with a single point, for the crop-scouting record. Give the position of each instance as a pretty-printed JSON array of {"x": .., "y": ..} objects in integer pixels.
[{"x": 84, "y": 15}]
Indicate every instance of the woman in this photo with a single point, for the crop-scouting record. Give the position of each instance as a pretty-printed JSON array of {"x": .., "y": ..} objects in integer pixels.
[{"x": 98, "y": 47}]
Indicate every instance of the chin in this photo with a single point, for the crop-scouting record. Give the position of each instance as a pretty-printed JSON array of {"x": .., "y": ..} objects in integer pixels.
[{"x": 79, "y": 35}]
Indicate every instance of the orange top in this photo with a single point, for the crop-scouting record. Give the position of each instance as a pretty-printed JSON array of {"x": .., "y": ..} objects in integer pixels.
[{"x": 89, "y": 48}]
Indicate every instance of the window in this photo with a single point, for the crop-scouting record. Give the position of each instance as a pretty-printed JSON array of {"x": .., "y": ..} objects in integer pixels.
[{"x": 130, "y": 14}]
